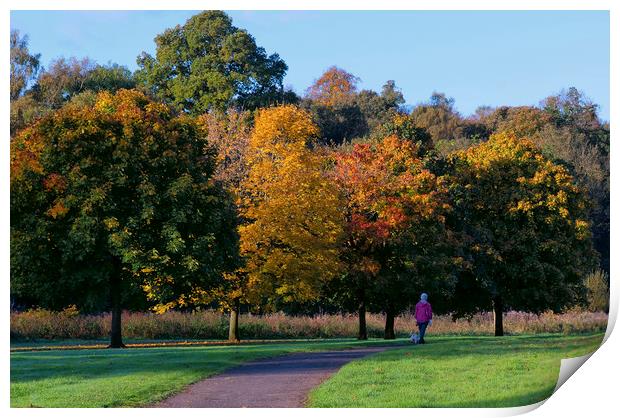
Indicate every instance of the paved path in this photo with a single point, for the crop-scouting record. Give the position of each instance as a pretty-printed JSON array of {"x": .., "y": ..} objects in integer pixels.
[{"x": 278, "y": 382}]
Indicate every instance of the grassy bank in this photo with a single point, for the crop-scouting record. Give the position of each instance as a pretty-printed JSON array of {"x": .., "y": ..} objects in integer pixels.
[
  {"x": 455, "y": 372},
  {"x": 46, "y": 325}
]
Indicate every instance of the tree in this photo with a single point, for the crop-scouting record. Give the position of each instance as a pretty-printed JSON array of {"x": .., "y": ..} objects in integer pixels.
[
  {"x": 24, "y": 69},
  {"x": 438, "y": 117},
  {"x": 572, "y": 108},
  {"x": 230, "y": 133},
  {"x": 579, "y": 139},
  {"x": 379, "y": 109},
  {"x": 526, "y": 232},
  {"x": 590, "y": 168},
  {"x": 24, "y": 65},
  {"x": 116, "y": 194},
  {"x": 567, "y": 129},
  {"x": 292, "y": 214},
  {"x": 404, "y": 127},
  {"x": 522, "y": 121},
  {"x": 335, "y": 86},
  {"x": 395, "y": 214},
  {"x": 337, "y": 123},
  {"x": 210, "y": 64},
  {"x": 67, "y": 78},
  {"x": 597, "y": 284}
]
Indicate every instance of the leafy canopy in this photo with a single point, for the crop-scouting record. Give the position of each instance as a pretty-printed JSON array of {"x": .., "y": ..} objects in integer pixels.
[
  {"x": 119, "y": 189},
  {"x": 210, "y": 64},
  {"x": 526, "y": 227},
  {"x": 293, "y": 213}
]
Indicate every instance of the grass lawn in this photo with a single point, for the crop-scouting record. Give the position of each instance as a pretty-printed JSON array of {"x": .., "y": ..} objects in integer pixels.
[
  {"x": 455, "y": 372},
  {"x": 133, "y": 377}
]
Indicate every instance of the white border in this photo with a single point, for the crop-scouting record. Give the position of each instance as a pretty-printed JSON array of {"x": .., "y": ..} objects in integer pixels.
[{"x": 593, "y": 390}]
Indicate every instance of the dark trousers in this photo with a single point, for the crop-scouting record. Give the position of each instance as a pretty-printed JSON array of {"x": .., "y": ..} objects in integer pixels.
[{"x": 422, "y": 326}]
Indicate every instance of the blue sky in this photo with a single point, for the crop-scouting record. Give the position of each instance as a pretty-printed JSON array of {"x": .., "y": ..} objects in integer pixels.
[{"x": 479, "y": 58}]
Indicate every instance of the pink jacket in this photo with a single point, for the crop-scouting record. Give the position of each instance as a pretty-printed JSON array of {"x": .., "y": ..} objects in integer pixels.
[{"x": 423, "y": 312}]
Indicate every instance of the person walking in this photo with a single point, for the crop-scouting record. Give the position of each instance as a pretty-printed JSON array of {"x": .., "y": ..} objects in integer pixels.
[{"x": 423, "y": 315}]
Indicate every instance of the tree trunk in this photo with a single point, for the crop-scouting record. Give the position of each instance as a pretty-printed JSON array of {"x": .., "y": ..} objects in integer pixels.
[
  {"x": 116, "y": 340},
  {"x": 233, "y": 326},
  {"x": 362, "y": 333},
  {"x": 498, "y": 313},
  {"x": 389, "y": 326}
]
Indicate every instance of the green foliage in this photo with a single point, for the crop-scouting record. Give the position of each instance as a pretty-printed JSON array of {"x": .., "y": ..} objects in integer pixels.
[
  {"x": 118, "y": 190},
  {"x": 526, "y": 238},
  {"x": 404, "y": 127},
  {"x": 209, "y": 64},
  {"x": 338, "y": 123}
]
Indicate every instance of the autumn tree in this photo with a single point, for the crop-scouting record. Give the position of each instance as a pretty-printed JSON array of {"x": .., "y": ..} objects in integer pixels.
[
  {"x": 334, "y": 87},
  {"x": 526, "y": 230},
  {"x": 331, "y": 101},
  {"x": 208, "y": 64},
  {"x": 395, "y": 224},
  {"x": 404, "y": 127},
  {"x": 342, "y": 113},
  {"x": 522, "y": 121},
  {"x": 112, "y": 195},
  {"x": 438, "y": 117},
  {"x": 229, "y": 133},
  {"x": 63, "y": 81},
  {"x": 578, "y": 138},
  {"x": 293, "y": 221}
]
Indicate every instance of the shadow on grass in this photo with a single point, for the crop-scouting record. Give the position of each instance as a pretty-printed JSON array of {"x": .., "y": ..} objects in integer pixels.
[
  {"x": 99, "y": 363},
  {"x": 87, "y": 364}
]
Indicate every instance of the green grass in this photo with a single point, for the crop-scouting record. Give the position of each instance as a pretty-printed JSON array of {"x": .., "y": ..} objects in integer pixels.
[
  {"x": 455, "y": 372},
  {"x": 132, "y": 377},
  {"x": 447, "y": 372}
]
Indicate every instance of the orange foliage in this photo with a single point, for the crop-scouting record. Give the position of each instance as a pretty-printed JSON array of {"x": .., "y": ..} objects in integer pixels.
[
  {"x": 334, "y": 87},
  {"x": 388, "y": 190}
]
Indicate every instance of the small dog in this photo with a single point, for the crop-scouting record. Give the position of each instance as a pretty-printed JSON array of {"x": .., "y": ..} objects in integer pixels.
[{"x": 415, "y": 338}]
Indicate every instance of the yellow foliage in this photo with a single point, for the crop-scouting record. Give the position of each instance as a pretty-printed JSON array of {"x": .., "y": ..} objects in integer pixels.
[{"x": 295, "y": 221}]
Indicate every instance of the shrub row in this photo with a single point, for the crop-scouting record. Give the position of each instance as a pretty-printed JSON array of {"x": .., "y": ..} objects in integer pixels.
[{"x": 69, "y": 324}]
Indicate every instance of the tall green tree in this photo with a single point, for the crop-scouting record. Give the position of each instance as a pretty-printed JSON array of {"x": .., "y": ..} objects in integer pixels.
[
  {"x": 526, "y": 234},
  {"x": 208, "y": 63},
  {"x": 112, "y": 195}
]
